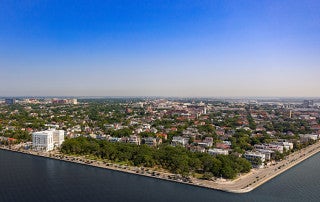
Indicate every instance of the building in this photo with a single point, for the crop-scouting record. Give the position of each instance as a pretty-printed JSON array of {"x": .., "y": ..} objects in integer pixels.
[
  {"x": 43, "y": 140},
  {"x": 7, "y": 139},
  {"x": 51, "y": 125},
  {"x": 10, "y": 101},
  {"x": 307, "y": 103},
  {"x": 308, "y": 137},
  {"x": 286, "y": 145},
  {"x": 64, "y": 101},
  {"x": 204, "y": 110},
  {"x": 178, "y": 140},
  {"x": 114, "y": 139},
  {"x": 151, "y": 141},
  {"x": 254, "y": 157},
  {"x": 134, "y": 139},
  {"x": 47, "y": 140},
  {"x": 58, "y": 137},
  {"x": 273, "y": 147},
  {"x": 162, "y": 135},
  {"x": 208, "y": 142},
  {"x": 216, "y": 151},
  {"x": 74, "y": 101},
  {"x": 197, "y": 149},
  {"x": 269, "y": 154},
  {"x": 223, "y": 145},
  {"x": 137, "y": 105}
]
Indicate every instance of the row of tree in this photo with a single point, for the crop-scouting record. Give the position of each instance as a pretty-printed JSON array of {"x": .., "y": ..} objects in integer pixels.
[{"x": 175, "y": 159}]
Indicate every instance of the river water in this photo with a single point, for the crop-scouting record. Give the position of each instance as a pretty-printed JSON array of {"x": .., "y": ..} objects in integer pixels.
[{"x": 30, "y": 178}]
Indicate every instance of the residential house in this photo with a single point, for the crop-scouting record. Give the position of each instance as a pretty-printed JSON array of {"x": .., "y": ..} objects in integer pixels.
[
  {"x": 178, "y": 140},
  {"x": 253, "y": 156},
  {"x": 134, "y": 139},
  {"x": 216, "y": 151}
]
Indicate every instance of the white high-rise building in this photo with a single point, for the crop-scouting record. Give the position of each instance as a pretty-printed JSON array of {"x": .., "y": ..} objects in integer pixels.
[
  {"x": 47, "y": 140},
  {"x": 58, "y": 137},
  {"x": 74, "y": 101},
  {"x": 42, "y": 140},
  {"x": 205, "y": 110}
]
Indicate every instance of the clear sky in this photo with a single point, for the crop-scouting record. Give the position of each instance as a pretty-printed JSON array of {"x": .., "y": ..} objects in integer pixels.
[{"x": 159, "y": 48}]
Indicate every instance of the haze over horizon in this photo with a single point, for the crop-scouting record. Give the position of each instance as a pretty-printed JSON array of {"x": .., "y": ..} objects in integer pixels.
[{"x": 160, "y": 48}]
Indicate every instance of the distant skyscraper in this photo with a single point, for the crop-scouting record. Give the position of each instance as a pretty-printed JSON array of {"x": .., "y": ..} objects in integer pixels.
[
  {"x": 64, "y": 101},
  {"x": 308, "y": 103},
  {"x": 10, "y": 101}
]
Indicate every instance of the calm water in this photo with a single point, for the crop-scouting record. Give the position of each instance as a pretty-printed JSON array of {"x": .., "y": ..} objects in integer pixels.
[{"x": 29, "y": 178}]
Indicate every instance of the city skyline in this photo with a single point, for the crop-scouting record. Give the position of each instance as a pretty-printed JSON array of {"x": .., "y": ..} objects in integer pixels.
[{"x": 160, "y": 48}]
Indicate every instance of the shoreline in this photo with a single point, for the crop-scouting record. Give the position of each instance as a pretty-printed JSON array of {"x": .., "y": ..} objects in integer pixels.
[{"x": 243, "y": 184}]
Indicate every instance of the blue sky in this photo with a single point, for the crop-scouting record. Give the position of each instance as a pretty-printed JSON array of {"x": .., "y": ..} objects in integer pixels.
[{"x": 165, "y": 48}]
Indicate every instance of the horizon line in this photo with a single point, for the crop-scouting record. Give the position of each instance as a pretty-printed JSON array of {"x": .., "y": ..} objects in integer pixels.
[{"x": 150, "y": 96}]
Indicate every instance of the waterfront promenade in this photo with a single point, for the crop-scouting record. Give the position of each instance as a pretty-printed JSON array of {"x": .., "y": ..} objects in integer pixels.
[
  {"x": 257, "y": 177},
  {"x": 243, "y": 184}
]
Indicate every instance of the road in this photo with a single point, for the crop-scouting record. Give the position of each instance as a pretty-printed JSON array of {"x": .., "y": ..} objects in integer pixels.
[{"x": 257, "y": 177}]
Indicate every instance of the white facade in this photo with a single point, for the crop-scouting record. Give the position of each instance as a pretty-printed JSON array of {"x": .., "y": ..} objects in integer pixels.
[
  {"x": 286, "y": 145},
  {"x": 133, "y": 139},
  {"x": 42, "y": 140},
  {"x": 58, "y": 137},
  {"x": 268, "y": 153},
  {"x": 151, "y": 141},
  {"x": 252, "y": 156},
  {"x": 273, "y": 147},
  {"x": 216, "y": 151},
  {"x": 74, "y": 101},
  {"x": 178, "y": 140},
  {"x": 309, "y": 136},
  {"x": 47, "y": 140}
]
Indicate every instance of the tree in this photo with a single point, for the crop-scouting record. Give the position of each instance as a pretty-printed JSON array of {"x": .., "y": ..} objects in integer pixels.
[
  {"x": 207, "y": 176},
  {"x": 257, "y": 161},
  {"x": 279, "y": 156},
  {"x": 175, "y": 159}
]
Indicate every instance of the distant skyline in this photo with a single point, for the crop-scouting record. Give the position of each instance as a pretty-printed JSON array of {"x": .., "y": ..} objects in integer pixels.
[{"x": 160, "y": 48}]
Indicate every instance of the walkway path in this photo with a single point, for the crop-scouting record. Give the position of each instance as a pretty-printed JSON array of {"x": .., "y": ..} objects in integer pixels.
[{"x": 243, "y": 184}]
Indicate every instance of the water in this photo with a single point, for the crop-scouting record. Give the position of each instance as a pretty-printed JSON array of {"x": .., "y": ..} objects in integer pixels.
[{"x": 30, "y": 178}]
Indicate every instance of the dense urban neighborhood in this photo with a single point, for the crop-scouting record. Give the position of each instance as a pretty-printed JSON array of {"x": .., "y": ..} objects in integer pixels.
[{"x": 204, "y": 138}]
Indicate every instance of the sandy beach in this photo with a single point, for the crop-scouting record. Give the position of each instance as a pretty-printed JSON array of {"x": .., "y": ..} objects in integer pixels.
[{"x": 243, "y": 184}]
